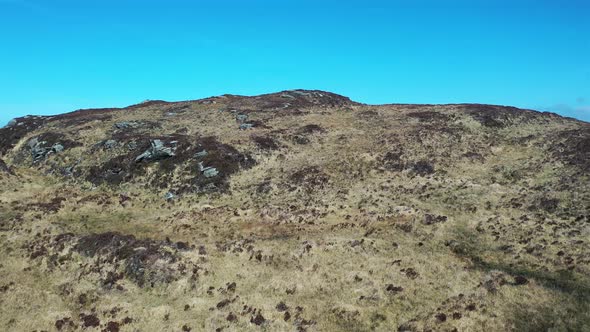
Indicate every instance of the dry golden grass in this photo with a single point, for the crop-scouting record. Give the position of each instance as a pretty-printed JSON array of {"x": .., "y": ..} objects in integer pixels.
[{"x": 362, "y": 247}]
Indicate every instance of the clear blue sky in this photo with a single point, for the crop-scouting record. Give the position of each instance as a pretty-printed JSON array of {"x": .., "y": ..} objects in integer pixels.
[{"x": 61, "y": 55}]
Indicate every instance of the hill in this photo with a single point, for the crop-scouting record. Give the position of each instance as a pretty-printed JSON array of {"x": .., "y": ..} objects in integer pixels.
[{"x": 295, "y": 211}]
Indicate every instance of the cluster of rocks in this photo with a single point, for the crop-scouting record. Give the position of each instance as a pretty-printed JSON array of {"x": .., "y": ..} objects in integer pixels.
[
  {"x": 157, "y": 151},
  {"x": 207, "y": 171},
  {"x": 242, "y": 120},
  {"x": 40, "y": 150}
]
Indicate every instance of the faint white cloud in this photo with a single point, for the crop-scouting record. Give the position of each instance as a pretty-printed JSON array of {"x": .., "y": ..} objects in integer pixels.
[{"x": 581, "y": 112}]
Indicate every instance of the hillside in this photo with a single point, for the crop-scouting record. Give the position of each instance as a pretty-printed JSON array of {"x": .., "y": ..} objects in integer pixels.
[{"x": 295, "y": 211}]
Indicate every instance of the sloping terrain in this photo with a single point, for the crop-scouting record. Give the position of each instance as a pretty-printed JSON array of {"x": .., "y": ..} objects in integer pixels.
[{"x": 295, "y": 211}]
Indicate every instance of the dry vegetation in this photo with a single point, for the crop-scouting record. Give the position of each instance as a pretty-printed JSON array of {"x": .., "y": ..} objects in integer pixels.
[{"x": 295, "y": 211}]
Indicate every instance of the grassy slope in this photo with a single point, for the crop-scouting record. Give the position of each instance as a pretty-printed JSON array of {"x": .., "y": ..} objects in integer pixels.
[{"x": 345, "y": 248}]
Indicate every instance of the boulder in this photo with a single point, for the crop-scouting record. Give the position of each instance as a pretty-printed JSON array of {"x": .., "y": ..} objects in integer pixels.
[
  {"x": 169, "y": 196},
  {"x": 245, "y": 126},
  {"x": 157, "y": 151},
  {"x": 40, "y": 151},
  {"x": 57, "y": 147},
  {"x": 210, "y": 172},
  {"x": 201, "y": 154}
]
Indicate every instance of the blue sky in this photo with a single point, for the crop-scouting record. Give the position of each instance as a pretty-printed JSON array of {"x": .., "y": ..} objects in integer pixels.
[{"x": 60, "y": 55}]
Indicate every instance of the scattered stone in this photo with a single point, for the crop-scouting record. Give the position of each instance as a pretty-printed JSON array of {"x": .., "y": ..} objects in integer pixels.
[
  {"x": 57, "y": 148},
  {"x": 169, "y": 196},
  {"x": 39, "y": 150},
  {"x": 210, "y": 172},
  {"x": 69, "y": 170},
  {"x": 201, "y": 154},
  {"x": 132, "y": 145},
  {"x": 246, "y": 126},
  {"x": 157, "y": 151},
  {"x": 241, "y": 118},
  {"x": 109, "y": 144}
]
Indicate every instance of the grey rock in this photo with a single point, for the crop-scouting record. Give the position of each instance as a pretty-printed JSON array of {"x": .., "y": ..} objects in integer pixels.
[
  {"x": 210, "y": 172},
  {"x": 109, "y": 144},
  {"x": 245, "y": 126},
  {"x": 201, "y": 154},
  {"x": 241, "y": 118},
  {"x": 69, "y": 171},
  {"x": 132, "y": 145},
  {"x": 57, "y": 148},
  {"x": 169, "y": 196},
  {"x": 39, "y": 151},
  {"x": 157, "y": 151}
]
